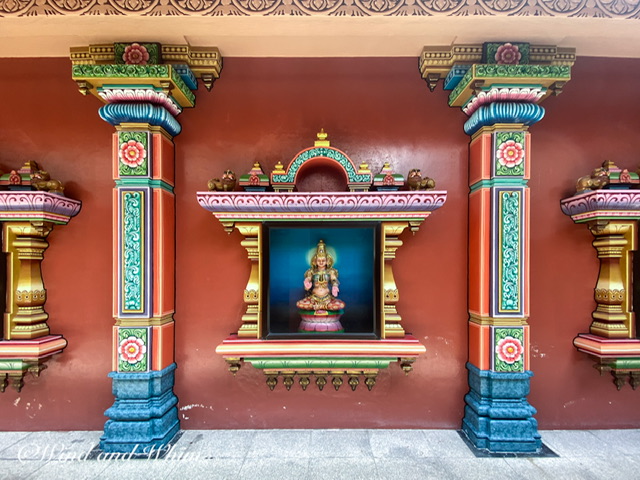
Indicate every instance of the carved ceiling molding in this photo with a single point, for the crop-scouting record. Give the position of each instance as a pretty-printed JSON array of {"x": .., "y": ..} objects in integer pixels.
[{"x": 621, "y": 9}]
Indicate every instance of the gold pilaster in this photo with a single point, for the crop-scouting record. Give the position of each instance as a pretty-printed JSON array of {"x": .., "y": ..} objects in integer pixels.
[
  {"x": 251, "y": 320},
  {"x": 391, "y": 326},
  {"x": 614, "y": 241},
  {"x": 25, "y": 243}
]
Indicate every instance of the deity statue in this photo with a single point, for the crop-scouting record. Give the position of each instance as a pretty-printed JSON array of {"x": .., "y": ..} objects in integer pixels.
[{"x": 321, "y": 308}]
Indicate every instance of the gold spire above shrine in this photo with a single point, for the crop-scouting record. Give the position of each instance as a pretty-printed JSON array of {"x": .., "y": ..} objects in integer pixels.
[{"x": 322, "y": 139}]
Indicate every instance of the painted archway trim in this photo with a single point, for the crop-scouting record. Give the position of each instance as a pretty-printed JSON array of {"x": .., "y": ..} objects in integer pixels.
[{"x": 357, "y": 179}]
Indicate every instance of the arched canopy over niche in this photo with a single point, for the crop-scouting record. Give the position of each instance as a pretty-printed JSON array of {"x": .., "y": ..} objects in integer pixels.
[{"x": 321, "y": 155}]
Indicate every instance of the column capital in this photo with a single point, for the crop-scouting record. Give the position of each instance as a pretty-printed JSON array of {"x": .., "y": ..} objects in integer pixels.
[
  {"x": 498, "y": 82},
  {"x": 168, "y": 68},
  {"x": 505, "y": 63},
  {"x": 144, "y": 82}
]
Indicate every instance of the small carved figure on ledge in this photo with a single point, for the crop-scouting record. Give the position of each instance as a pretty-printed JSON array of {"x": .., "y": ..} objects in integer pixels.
[
  {"x": 415, "y": 181},
  {"x": 226, "y": 184},
  {"x": 41, "y": 180},
  {"x": 599, "y": 178},
  {"x": 321, "y": 309}
]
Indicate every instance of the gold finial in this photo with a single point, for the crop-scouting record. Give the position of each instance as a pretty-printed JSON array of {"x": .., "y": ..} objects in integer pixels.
[
  {"x": 322, "y": 139},
  {"x": 364, "y": 168},
  {"x": 279, "y": 168}
]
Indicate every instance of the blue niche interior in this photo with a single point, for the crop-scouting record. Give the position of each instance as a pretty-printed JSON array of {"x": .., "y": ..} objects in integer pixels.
[{"x": 354, "y": 247}]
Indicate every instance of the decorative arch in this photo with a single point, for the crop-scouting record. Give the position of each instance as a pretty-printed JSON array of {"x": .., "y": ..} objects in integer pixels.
[{"x": 358, "y": 178}]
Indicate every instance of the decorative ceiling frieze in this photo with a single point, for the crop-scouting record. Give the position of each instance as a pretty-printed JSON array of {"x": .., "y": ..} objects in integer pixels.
[{"x": 625, "y": 9}]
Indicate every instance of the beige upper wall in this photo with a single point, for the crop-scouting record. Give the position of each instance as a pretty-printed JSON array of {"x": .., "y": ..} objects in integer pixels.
[{"x": 316, "y": 36}]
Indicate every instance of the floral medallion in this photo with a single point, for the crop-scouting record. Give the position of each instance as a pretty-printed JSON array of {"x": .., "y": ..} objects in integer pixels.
[
  {"x": 133, "y": 350},
  {"x": 509, "y": 153},
  {"x": 133, "y": 153},
  {"x": 508, "y": 54},
  {"x": 135, "y": 54},
  {"x": 508, "y": 350}
]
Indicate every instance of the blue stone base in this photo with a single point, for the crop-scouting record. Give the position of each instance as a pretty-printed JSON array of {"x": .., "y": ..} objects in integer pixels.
[
  {"x": 497, "y": 416},
  {"x": 144, "y": 416}
]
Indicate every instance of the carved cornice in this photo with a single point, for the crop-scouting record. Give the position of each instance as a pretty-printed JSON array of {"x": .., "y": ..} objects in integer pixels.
[
  {"x": 603, "y": 204},
  {"x": 248, "y": 206},
  {"x": 357, "y": 8},
  {"x": 37, "y": 206}
]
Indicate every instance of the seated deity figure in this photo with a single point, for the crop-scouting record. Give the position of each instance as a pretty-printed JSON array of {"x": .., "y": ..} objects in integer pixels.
[{"x": 321, "y": 308}]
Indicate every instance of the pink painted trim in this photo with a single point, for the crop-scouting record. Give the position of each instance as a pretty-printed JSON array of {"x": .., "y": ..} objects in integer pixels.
[
  {"x": 251, "y": 205},
  {"x": 126, "y": 95},
  {"x": 602, "y": 203},
  {"x": 37, "y": 204},
  {"x": 607, "y": 347},
  {"x": 37, "y": 348},
  {"x": 408, "y": 346}
]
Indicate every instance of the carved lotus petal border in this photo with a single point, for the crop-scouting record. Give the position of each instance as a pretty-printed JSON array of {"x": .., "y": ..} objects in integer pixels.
[
  {"x": 347, "y": 8},
  {"x": 602, "y": 203},
  {"x": 45, "y": 205},
  {"x": 304, "y": 205}
]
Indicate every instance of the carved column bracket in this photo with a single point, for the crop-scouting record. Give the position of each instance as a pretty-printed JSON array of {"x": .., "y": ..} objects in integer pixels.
[{"x": 338, "y": 372}]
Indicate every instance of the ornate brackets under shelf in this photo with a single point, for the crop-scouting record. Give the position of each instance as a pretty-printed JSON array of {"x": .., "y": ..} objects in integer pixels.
[
  {"x": 325, "y": 360},
  {"x": 27, "y": 218},
  {"x": 283, "y": 338},
  {"x": 612, "y": 217}
]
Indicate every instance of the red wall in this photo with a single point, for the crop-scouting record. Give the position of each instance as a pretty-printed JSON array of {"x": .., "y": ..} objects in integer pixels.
[{"x": 375, "y": 110}]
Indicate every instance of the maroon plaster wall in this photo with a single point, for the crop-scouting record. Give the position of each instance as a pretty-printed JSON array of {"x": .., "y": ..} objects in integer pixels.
[{"x": 375, "y": 110}]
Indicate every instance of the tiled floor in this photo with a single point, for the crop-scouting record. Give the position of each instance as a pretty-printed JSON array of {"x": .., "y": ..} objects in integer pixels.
[{"x": 321, "y": 454}]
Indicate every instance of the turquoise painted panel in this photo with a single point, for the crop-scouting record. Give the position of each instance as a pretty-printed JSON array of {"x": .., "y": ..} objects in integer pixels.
[
  {"x": 510, "y": 247},
  {"x": 132, "y": 246}
]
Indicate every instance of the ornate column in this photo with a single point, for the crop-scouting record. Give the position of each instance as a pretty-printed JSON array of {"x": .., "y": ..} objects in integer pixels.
[
  {"x": 499, "y": 86},
  {"x": 144, "y": 86}
]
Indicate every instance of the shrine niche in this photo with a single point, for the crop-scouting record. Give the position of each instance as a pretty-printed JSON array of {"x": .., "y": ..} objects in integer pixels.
[
  {"x": 321, "y": 296},
  {"x": 608, "y": 202},
  {"x": 31, "y": 204}
]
